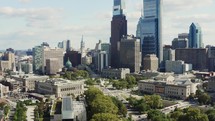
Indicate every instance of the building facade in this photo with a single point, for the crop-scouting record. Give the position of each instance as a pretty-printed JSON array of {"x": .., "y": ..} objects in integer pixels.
[
  {"x": 130, "y": 53},
  {"x": 49, "y": 53},
  {"x": 115, "y": 73},
  {"x": 118, "y": 29},
  {"x": 52, "y": 66},
  {"x": 195, "y": 36},
  {"x": 60, "y": 87},
  {"x": 37, "y": 59},
  {"x": 168, "y": 53},
  {"x": 74, "y": 57},
  {"x": 149, "y": 29},
  {"x": 103, "y": 60},
  {"x": 178, "y": 67},
  {"x": 197, "y": 57},
  {"x": 180, "y": 89},
  {"x": 179, "y": 43},
  {"x": 150, "y": 62}
]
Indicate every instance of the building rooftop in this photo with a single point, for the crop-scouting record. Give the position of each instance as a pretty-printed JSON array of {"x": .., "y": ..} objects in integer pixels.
[{"x": 60, "y": 81}]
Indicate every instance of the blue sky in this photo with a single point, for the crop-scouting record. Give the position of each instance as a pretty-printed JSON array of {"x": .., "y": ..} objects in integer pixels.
[{"x": 27, "y": 23}]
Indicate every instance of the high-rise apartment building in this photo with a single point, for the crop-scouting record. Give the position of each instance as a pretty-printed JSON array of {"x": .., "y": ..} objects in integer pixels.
[
  {"x": 195, "y": 36},
  {"x": 49, "y": 53},
  {"x": 149, "y": 29},
  {"x": 52, "y": 66},
  {"x": 130, "y": 53},
  {"x": 37, "y": 59},
  {"x": 118, "y": 29}
]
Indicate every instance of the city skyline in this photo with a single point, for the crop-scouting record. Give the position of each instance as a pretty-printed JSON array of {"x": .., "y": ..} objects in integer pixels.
[{"x": 27, "y": 23}]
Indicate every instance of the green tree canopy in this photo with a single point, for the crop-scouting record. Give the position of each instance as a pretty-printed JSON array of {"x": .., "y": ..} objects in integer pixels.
[
  {"x": 154, "y": 101},
  {"x": 91, "y": 94},
  {"x": 122, "y": 110},
  {"x": 103, "y": 104},
  {"x": 105, "y": 117}
]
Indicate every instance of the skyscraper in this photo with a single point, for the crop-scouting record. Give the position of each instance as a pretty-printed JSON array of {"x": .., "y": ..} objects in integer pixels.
[
  {"x": 149, "y": 29},
  {"x": 118, "y": 29},
  {"x": 195, "y": 36},
  {"x": 130, "y": 53}
]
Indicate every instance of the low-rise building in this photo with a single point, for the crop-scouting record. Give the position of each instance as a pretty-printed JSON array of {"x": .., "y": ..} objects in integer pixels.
[
  {"x": 4, "y": 90},
  {"x": 73, "y": 110},
  {"x": 60, "y": 87},
  {"x": 211, "y": 84},
  {"x": 115, "y": 73},
  {"x": 177, "y": 88},
  {"x": 178, "y": 67},
  {"x": 69, "y": 110},
  {"x": 29, "y": 80}
]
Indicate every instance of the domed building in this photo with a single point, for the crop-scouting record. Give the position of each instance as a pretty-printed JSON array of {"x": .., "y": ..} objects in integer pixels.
[{"x": 68, "y": 64}]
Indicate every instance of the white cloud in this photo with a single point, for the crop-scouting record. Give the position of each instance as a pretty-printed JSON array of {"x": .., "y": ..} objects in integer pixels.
[{"x": 35, "y": 17}]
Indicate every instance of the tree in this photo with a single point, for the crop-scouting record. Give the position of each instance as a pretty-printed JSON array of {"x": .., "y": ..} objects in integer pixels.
[
  {"x": 122, "y": 110},
  {"x": 142, "y": 107},
  {"x": 175, "y": 115},
  {"x": 156, "y": 115},
  {"x": 6, "y": 110},
  {"x": 154, "y": 101},
  {"x": 36, "y": 114},
  {"x": 91, "y": 93},
  {"x": 105, "y": 117},
  {"x": 193, "y": 114},
  {"x": 20, "y": 113},
  {"x": 204, "y": 98},
  {"x": 211, "y": 115},
  {"x": 103, "y": 104},
  {"x": 131, "y": 80}
]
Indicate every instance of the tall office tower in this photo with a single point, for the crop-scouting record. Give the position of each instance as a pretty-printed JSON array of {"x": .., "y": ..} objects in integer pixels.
[
  {"x": 179, "y": 43},
  {"x": 62, "y": 45},
  {"x": 37, "y": 59},
  {"x": 10, "y": 57},
  {"x": 52, "y": 66},
  {"x": 211, "y": 57},
  {"x": 198, "y": 57},
  {"x": 48, "y": 53},
  {"x": 82, "y": 49},
  {"x": 118, "y": 29},
  {"x": 149, "y": 29},
  {"x": 68, "y": 45},
  {"x": 151, "y": 62},
  {"x": 195, "y": 36},
  {"x": 168, "y": 53},
  {"x": 130, "y": 53},
  {"x": 183, "y": 36},
  {"x": 106, "y": 47},
  {"x": 102, "y": 60}
]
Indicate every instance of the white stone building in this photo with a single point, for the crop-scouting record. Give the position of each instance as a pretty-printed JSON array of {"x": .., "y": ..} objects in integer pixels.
[
  {"x": 115, "y": 73},
  {"x": 60, "y": 87}
]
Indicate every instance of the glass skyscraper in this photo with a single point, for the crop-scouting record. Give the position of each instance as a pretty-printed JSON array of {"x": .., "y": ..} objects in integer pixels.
[
  {"x": 118, "y": 29},
  {"x": 195, "y": 36},
  {"x": 149, "y": 29}
]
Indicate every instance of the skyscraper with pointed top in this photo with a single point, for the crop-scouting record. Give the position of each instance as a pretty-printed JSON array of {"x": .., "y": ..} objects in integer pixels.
[
  {"x": 149, "y": 29},
  {"x": 118, "y": 29},
  {"x": 82, "y": 44}
]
